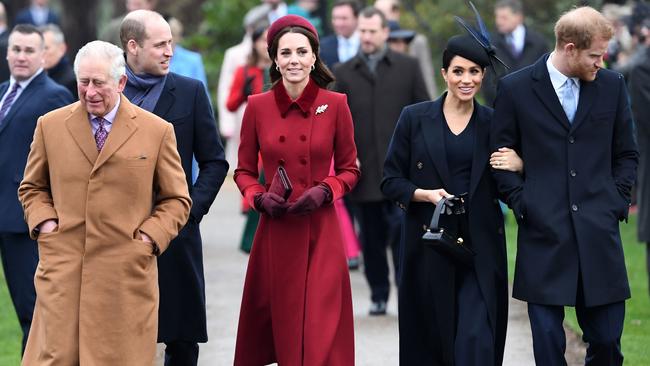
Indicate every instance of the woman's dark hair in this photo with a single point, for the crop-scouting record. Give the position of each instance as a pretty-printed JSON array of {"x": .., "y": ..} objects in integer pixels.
[
  {"x": 320, "y": 74},
  {"x": 447, "y": 56},
  {"x": 254, "y": 57}
]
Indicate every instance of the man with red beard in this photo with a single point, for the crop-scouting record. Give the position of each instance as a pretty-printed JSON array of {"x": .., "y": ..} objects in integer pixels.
[{"x": 570, "y": 121}]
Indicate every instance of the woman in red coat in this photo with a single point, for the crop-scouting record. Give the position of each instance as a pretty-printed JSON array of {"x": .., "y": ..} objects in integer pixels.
[{"x": 297, "y": 306}]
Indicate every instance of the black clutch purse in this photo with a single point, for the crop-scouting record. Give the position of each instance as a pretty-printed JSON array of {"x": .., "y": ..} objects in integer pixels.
[{"x": 445, "y": 242}]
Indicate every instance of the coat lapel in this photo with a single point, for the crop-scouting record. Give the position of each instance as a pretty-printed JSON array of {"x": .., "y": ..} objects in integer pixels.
[
  {"x": 433, "y": 129},
  {"x": 26, "y": 95},
  {"x": 543, "y": 88},
  {"x": 588, "y": 94},
  {"x": 79, "y": 127},
  {"x": 481, "y": 149},
  {"x": 123, "y": 128},
  {"x": 167, "y": 97}
]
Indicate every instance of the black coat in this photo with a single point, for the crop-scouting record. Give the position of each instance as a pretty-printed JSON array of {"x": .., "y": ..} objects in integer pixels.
[
  {"x": 640, "y": 100},
  {"x": 576, "y": 186},
  {"x": 376, "y": 101},
  {"x": 184, "y": 103},
  {"x": 63, "y": 74},
  {"x": 535, "y": 46},
  {"x": 417, "y": 159},
  {"x": 329, "y": 51}
]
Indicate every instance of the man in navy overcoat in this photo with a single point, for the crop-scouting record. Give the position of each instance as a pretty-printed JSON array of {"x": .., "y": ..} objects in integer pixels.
[
  {"x": 571, "y": 123},
  {"x": 146, "y": 39},
  {"x": 35, "y": 95}
]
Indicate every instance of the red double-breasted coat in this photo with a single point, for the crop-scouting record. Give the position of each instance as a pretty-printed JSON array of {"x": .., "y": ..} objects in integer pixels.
[{"x": 297, "y": 306}]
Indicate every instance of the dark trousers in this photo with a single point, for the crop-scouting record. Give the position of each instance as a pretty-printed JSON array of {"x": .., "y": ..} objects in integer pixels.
[
  {"x": 379, "y": 223},
  {"x": 602, "y": 327},
  {"x": 19, "y": 260},
  {"x": 474, "y": 341},
  {"x": 181, "y": 353}
]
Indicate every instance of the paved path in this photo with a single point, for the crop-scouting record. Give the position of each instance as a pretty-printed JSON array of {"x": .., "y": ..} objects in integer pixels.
[{"x": 375, "y": 337}]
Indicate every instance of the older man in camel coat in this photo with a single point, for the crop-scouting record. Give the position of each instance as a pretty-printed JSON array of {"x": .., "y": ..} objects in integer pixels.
[{"x": 104, "y": 193}]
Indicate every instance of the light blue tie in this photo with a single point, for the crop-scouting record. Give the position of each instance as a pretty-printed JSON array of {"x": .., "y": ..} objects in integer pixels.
[{"x": 569, "y": 102}]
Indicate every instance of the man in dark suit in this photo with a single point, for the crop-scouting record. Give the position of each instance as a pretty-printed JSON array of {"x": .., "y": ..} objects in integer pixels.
[
  {"x": 38, "y": 13},
  {"x": 517, "y": 45},
  {"x": 57, "y": 65},
  {"x": 344, "y": 43},
  {"x": 378, "y": 83},
  {"x": 147, "y": 40},
  {"x": 27, "y": 95},
  {"x": 571, "y": 123}
]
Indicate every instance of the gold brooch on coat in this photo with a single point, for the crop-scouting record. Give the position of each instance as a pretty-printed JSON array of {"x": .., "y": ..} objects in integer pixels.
[{"x": 321, "y": 109}]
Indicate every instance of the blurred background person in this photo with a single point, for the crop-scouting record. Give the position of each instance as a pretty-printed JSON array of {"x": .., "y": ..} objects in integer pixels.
[
  {"x": 378, "y": 83},
  {"x": 56, "y": 62},
  {"x": 27, "y": 95},
  {"x": 250, "y": 79},
  {"x": 307, "y": 9},
  {"x": 38, "y": 13},
  {"x": 4, "y": 39},
  {"x": 419, "y": 47},
  {"x": 639, "y": 86},
  {"x": 111, "y": 31},
  {"x": 399, "y": 39},
  {"x": 517, "y": 45},
  {"x": 234, "y": 57},
  {"x": 185, "y": 62},
  {"x": 344, "y": 43}
]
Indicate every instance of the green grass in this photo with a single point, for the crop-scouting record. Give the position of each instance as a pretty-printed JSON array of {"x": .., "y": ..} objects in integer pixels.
[
  {"x": 636, "y": 333},
  {"x": 10, "y": 334}
]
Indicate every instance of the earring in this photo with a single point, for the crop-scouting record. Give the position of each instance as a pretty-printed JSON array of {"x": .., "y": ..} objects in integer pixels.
[
  {"x": 277, "y": 68},
  {"x": 313, "y": 67}
]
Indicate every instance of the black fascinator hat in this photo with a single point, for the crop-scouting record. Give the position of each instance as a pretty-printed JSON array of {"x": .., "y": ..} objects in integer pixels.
[{"x": 476, "y": 45}]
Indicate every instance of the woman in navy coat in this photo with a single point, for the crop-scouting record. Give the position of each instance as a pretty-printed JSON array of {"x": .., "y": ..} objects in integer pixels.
[
  {"x": 450, "y": 314},
  {"x": 297, "y": 304}
]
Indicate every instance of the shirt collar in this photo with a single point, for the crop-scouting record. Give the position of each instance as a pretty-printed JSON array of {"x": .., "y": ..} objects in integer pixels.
[
  {"x": 519, "y": 35},
  {"x": 557, "y": 78},
  {"x": 353, "y": 40},
  {"x": 23, "y": 84},
  {"x": 110, "y": 116},
  {"x": 304, "y": 102}
]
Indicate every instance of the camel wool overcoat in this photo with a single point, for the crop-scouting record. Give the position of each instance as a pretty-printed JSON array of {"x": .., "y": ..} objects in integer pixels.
[{"x": 97, "y": 281}]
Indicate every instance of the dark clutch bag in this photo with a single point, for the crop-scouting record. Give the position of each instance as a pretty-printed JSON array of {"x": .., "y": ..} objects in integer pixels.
[
  {"x": 445, "y": 242},
  {"x": 281, "y": 185}
]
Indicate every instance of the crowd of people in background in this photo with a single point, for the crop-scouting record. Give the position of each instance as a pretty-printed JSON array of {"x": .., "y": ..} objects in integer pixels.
[{"x": 375, "y": 79}]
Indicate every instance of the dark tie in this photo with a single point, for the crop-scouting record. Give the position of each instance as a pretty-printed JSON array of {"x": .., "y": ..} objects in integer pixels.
[
  {"x": 8, "y": 102},
  {"x": 101, "y": 134}
]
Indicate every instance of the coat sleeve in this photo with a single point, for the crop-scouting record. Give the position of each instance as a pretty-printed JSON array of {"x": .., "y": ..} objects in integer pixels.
[
  {"x": 246, "y": 174},
  {"x": 34, "y": 190},
  {"x": 625, "y": 154},
  {"x": 236, "y": 95},
  {"x": 345, "y": 153},
  {"x": 395, "y": 184},
  {"x": 505, "y": 133},
  {"x": 172, "y": 201},
  {"x": 208, "y": 152}
]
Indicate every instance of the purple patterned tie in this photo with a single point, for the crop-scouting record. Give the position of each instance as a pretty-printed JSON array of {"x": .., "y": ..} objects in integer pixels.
[
  {"x": 101, "y": 134},
  {"x": 8, "y": 101}
]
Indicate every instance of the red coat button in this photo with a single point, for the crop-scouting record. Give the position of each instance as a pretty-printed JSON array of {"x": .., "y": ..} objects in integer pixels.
[
  {"x": 303, "y": 161},
  {"x": 303, "y": 138},
  {"x": 281, "y": 161},
  {"x": 282, "y": 138}
]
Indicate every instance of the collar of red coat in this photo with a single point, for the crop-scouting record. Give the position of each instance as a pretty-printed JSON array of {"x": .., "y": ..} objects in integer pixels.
[{"x": 304, "y": 102}]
